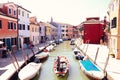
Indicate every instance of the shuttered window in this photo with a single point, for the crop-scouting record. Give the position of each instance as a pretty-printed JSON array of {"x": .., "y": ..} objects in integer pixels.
[{"x": 0, "y": 24}]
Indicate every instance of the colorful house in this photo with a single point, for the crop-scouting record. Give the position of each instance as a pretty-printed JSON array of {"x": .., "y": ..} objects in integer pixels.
[
  {"x": 50, "y": 31},
  {"x": 114, "y": 18},
  {"x": 8, "y": 25},
  {"x": 66, "y": 31},
  {"x": 42, "y": 32},
  {"x": 23, "y": 26},
  {"x": 34, "y": 31},
  {"x": 92, "y": 30},
  {"x": 75, "y": 32}
]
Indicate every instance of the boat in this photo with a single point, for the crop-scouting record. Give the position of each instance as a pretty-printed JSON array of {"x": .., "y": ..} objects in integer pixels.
[
  {"x": 77, "y": 54},
  {"x": 91, "y": 70},
  {"x": 29, "y": 71},
  {"x": 72, "y": 42},
  {"x": 61, "y": 66},
  {"x": 42, "y": 55},
  {"x": 50, "y": 48}
]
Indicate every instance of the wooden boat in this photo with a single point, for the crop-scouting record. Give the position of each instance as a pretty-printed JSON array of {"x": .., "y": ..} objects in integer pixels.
[
  {"x": 29, "y": 71},
  {"x": 42, "y": 55},
  {"x": 91, "y": 70},
  {"x": 61, "y": 66},
  {"x": 77, "y": 54}
]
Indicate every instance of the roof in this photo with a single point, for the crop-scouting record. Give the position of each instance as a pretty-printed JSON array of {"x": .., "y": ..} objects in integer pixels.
[
  {"x": 1, "y": 13},
  {"x": 48, "y": 24},
  {"x": 92, "y": 21},
  {"x": 16, "y": 5}
]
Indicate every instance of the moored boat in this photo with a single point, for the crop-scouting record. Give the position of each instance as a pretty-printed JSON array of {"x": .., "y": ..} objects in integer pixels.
[
  {"x": 29, "y": 71},
  {"x": 42, "y": 55},
  {"x": 77, "y": 54},
  {"x": 61, "y": 66},
  {"x": 50, "y": 48},
  {"x": 91, "y": 70}
]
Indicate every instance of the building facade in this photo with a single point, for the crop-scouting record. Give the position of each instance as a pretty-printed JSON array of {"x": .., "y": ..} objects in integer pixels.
[
  {"x": 23, "y": 26},
  {"x": 34, "y": 31},
  {"x": 114, "y": 18},
  {"x": 92, "y": 30},
  {"x": 8, "y": 25},
  {"x": 42, "y": 32}
]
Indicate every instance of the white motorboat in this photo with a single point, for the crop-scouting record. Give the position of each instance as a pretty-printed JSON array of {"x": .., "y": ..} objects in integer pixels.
[{"x": 29, "y": 71}]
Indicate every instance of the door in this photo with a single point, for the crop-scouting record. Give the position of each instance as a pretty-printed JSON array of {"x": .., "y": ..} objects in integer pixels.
[{"x": 8, "y": 43}]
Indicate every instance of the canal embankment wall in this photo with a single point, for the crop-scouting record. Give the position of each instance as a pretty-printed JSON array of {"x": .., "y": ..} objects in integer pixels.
[{"x": 12, "y": 68}]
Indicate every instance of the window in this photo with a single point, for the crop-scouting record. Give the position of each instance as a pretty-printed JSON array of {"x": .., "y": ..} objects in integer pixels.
[
  {"x": 116, "y": 3},
  {"x": 15, "y": 12},
  {"x": 33, "y": 38},
  {"x": 11, "y": 25},
  {"x": 23, "y": 26},
  {"x": 20, "y": 26},
  {"x": 22, "y": 13},
  {"x": 114, "y": 22},
  {"x": 18, "y": 12},
  {"x": 32, "y": 29},
  {"x": 62, "y": 30},
  {"x": 112, "y": 7},
  {"x": 0, "y": 24},
  {"x": 39, "y": 29},
  {"x": 15, "y": 26},
  {"x": 27, "y": 15},
  {"x": 28, "y": 27},
  {"x": 8, "y": 25},
  {"x": 10, "y": 11}
]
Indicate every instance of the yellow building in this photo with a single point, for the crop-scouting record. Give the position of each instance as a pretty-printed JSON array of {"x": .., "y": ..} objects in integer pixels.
[
  {"x": 34, "y": 31},
  {"x": 114, "y": 18},
  {"x": 50, "y": 31}
]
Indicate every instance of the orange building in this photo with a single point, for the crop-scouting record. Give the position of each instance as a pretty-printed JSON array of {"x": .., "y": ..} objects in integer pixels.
[{"x": 8, "y": 25}]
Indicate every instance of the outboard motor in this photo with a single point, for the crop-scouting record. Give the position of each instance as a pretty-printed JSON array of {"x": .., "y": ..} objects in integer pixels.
[{"x": 36, "y": 60}]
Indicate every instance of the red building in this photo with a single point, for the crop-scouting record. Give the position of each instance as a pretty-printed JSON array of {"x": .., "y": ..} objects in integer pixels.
[
  {"x": 92, "y": 30},
  {"x": 8, "y": 25}
]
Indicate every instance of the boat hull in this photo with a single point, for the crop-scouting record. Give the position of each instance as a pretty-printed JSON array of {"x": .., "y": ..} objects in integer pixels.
[
  {"x": 29, "y": 71},
  {"x": 65, "y": 68},
  {"x": 91, "y": 70},
  {"x": 42, "y": 55}
]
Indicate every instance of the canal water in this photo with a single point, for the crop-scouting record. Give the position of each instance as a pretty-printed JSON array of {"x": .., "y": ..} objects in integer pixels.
[{"x": 46, "y": 71}]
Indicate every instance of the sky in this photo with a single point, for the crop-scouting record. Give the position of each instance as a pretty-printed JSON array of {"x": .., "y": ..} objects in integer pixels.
[{"x": 67, "y": 11}]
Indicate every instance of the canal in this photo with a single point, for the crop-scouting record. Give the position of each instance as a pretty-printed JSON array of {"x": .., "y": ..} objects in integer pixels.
[{"x": 46, "y": 72}]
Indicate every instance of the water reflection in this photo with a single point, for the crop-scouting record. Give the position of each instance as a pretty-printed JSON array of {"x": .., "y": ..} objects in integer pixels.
[{"x": 47, "y": 73}]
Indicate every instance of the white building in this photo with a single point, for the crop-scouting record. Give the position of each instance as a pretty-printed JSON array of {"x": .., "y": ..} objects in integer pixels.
[
  {"x": 42, "y": 32},
  {"x": 23, "y": 25}
]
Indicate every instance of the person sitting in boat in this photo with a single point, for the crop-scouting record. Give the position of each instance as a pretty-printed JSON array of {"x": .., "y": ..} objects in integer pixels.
[
  {"x": 79, "y": 56},
  {"x": 58, "y": 63},
  {"x": 61, "y": 67}
]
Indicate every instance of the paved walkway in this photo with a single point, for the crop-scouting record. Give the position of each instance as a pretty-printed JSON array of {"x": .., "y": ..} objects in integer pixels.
[
  {"x": 113, "y": 67},
  {"x": 7, "y": 68}
]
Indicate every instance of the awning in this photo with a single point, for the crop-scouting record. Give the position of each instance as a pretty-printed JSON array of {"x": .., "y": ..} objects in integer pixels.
[{"x": 1, "y": 42}]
